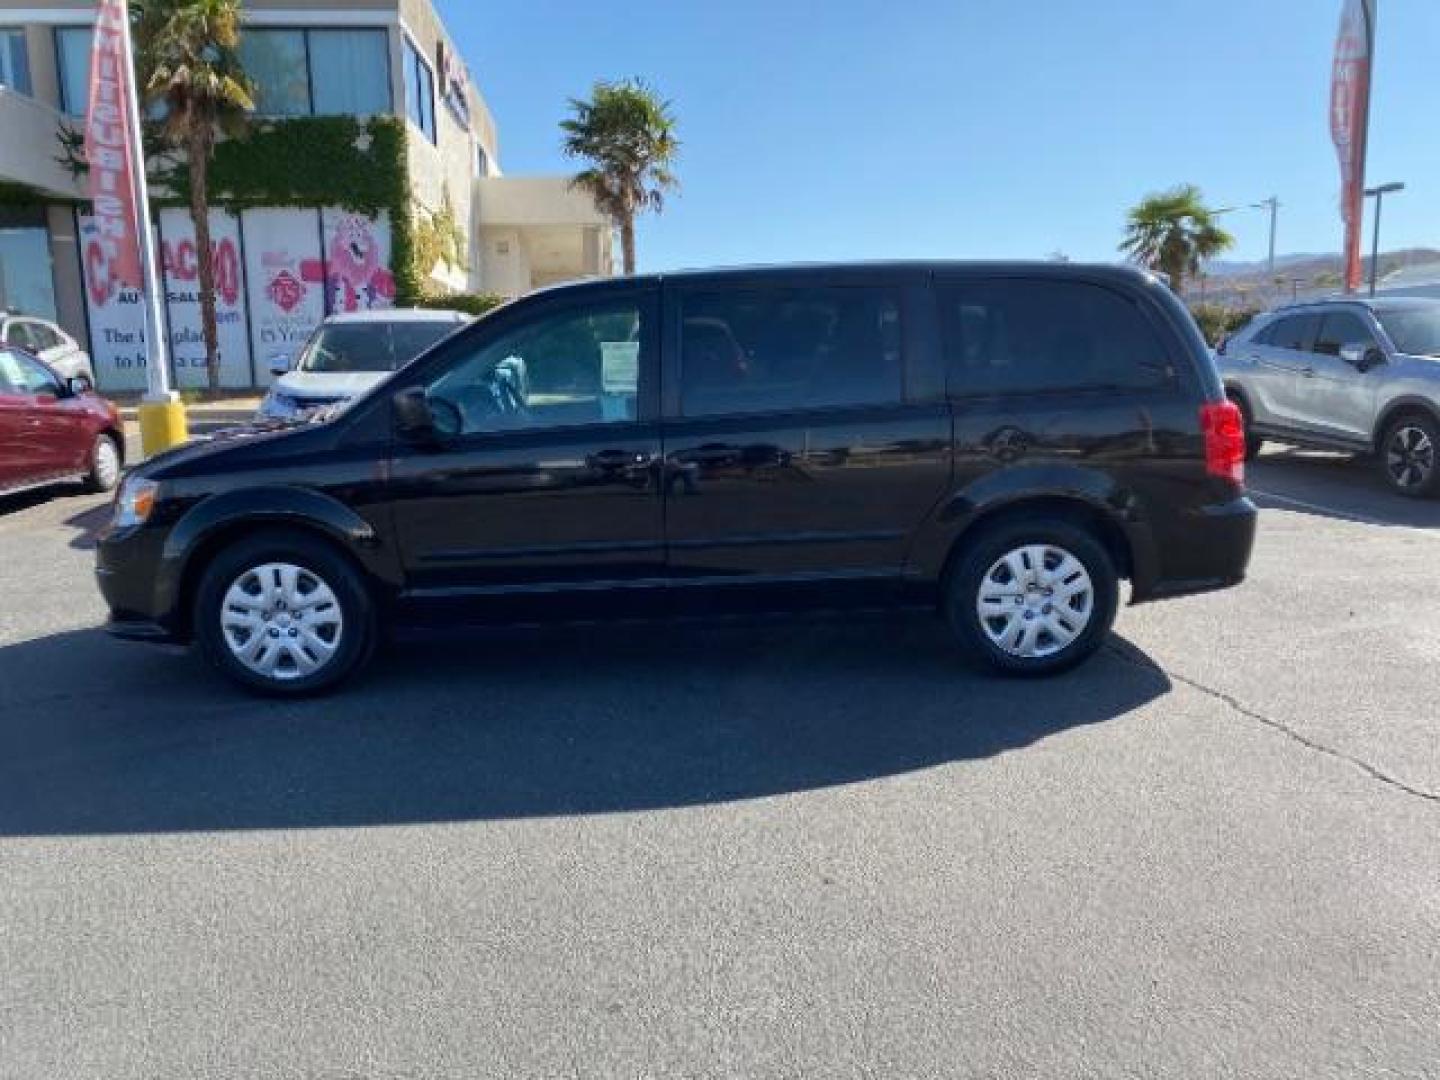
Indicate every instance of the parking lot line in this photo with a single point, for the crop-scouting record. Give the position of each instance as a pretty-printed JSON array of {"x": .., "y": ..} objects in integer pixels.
[{"x": 1332, "y": 511}]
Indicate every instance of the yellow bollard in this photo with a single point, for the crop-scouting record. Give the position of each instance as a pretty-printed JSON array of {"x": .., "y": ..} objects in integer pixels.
[{"x": 162, "y": 424}]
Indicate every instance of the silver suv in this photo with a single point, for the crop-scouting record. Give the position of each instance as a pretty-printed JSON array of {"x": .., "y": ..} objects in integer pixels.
[{"x": 1357, "y": 375}]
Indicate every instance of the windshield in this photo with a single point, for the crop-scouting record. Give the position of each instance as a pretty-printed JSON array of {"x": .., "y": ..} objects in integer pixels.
[
  {"x": 372, "y": 346},
  {"x": 1414, "y": 330}
]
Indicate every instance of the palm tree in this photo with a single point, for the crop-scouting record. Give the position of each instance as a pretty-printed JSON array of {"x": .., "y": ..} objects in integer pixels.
[
  {"x": 188, "y": 65},
  {"x": 1173, "y": 232},
  {"x": 627, "y": 134}
]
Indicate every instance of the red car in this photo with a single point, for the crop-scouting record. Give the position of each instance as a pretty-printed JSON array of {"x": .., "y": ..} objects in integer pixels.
[{"x": 54, "y": 429}]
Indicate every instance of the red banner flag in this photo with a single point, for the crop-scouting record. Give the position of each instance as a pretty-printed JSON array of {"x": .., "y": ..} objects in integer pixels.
[
  {"x": 110, "y": 153},
  {"x": 1349, "y": 119}
]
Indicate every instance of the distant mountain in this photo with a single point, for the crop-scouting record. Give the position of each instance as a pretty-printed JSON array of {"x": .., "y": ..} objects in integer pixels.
[
  {"x": 1251, "y": 285},
  {"x": 1226, "y": 268}
]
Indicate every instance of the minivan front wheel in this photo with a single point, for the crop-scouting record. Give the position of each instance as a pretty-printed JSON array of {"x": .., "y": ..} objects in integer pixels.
[
  {"x": 1033, "y": 597},
  {"x": 283, "y": 613}
]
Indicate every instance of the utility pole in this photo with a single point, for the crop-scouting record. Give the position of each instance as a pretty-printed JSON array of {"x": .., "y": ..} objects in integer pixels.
[{"x": 1378, "y": 194}]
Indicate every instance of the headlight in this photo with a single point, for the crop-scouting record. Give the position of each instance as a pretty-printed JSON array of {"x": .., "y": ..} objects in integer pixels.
[
  {"x": 279, "y": 405},
  {"x": 134, "y": 502}
]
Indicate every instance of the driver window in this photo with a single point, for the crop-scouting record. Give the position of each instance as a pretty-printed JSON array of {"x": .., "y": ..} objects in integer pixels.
[
  {"x": 1342, "y": 328},
  {"x": 572, "y": 367}
]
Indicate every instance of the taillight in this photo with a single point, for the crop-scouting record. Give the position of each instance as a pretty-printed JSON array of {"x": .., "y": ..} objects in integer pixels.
[{"x": 1224, "y": 430}]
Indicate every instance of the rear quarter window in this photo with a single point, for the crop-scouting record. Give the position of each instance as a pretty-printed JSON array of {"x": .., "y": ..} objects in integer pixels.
[{"x": 1018, "y": 336}]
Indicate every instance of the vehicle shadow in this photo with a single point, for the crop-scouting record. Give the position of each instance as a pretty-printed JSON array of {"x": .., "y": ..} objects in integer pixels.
[
  {"x": 100, "y": 737},
  {"x": 33, "y": 497},
  {"x": 1341, "y": 486}
]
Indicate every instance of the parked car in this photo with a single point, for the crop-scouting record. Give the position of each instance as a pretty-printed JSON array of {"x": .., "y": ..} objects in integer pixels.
[
  {"x": 47, "y": 341},
  {"x": 1356, "y": 375},
  {"x": 349, "y": 353},
  {"x": 54, "y": 429},
  {"x": 1002, "y": 443}
]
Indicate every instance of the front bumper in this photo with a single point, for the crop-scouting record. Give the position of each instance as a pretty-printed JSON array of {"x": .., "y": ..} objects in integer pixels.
[
  {"x": 129, "y": 628},
  {"x": 128, "y": 571}
]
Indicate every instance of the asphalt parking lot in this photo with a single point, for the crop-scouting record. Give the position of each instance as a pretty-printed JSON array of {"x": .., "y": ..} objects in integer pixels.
[{"x": 786, "y": 850}]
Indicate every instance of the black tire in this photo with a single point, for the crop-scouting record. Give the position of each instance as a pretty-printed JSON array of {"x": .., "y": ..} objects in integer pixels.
[
  {"x": 355, "y": 638},
  {"x": 104, "y": 471},
  {"x": 985, "y": 549},
  {"x": 1406, "y": 465},
  {"x": 1253, "y": 443}
]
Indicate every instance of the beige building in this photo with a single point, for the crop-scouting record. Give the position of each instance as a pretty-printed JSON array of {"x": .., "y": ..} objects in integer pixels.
[{"x": 361, "y": 59}]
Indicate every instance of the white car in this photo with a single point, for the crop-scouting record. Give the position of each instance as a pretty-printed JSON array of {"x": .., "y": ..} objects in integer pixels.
[
  {"x": 348, "y": 354},
  {"x": 44, "y": 339}
]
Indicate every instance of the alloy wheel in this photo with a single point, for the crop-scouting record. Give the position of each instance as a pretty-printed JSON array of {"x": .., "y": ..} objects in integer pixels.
[
  {"x": 1035, "y": 601},
  {"x": 281, "y": 621},
  {"x": 1409, "y": 457}
]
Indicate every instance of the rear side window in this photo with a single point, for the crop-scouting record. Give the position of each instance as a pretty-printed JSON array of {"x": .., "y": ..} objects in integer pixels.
[
  {"x": 773, "y": 350},
  {"x": 1016, "y": 336},
  {"x": 1295, "y": 332}
]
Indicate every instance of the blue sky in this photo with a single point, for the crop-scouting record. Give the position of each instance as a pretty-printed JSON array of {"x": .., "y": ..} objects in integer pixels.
[{"x": 969, "y": 128}]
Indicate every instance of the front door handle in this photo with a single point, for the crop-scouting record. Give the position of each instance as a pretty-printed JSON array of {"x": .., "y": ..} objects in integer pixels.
[
  {"x": 609, "y": 460},
  {"x": 1307, "y": 371}
]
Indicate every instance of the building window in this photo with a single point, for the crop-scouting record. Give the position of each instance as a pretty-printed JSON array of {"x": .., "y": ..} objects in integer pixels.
[
  {"x": 275, "y": 62},
  {"x": 419, "y": 91},
  {"x": 350, "y": 71},
  {"x": 482, "y": 161},
  {"x": 319, "y": 72},
  {"x": 14, "y": 61},
  {"x": 72, "y": 52}
]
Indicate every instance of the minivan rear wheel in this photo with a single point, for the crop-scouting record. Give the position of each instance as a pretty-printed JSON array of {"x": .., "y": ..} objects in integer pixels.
[
  {"x": 283, "y": 613},
  {"x": 1032, "y": 597}
]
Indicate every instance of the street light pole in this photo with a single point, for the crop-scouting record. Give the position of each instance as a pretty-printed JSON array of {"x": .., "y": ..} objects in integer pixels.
[
  {"x": 1378, "y": 194},
  {"x": 1273, "y": 205}
]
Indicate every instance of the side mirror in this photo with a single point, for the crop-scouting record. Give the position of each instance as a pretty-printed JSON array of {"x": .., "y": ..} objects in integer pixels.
[
  {"x": 78, "y": 385},
  {"x": 279, "y": 364},
  {"x": 414, "y": 420},
  {"x": 1362, "y": 357}
]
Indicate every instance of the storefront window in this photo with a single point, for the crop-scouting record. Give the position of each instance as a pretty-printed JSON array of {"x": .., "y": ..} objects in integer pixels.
[
  {"x": 27, "y": 281},
  {"x": 14, "y": 61}
]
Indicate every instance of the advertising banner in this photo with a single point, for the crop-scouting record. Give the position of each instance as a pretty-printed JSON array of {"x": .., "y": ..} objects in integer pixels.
[
  {"x": 357, "y": 261},
  {"x": 179, "y": 259},
  {"x": 116, "y": 313},
  {"x": 113, "y": 257},
  {"x": 1349, "y": 117},
  {"x": 285, "y": 282}
]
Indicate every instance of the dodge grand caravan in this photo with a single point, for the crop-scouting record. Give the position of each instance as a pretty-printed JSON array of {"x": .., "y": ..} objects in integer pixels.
[{"x": 1002, "y": 443}]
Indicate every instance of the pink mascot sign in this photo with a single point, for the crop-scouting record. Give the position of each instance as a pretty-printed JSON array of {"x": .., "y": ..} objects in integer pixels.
[{"x": 357, "y": 262}]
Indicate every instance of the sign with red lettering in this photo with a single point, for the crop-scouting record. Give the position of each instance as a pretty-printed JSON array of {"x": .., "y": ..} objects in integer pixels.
[
  {"x": 1349, "y": 109},
  {"x": 180, "y": 260},
  {"x": 116, "y": 316},
  {"x": 112, "y": 253}
]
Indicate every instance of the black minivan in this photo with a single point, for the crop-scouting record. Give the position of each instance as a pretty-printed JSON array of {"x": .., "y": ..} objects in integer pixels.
[{"x": 999, "y": 442}]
